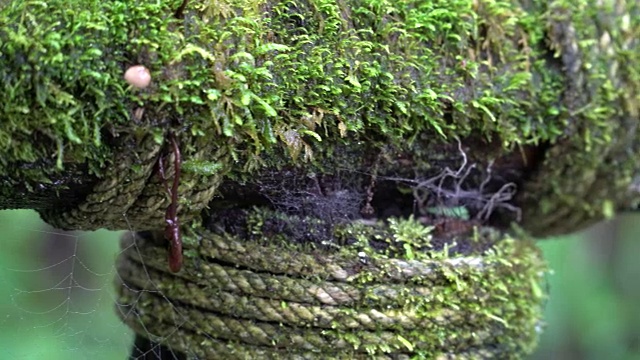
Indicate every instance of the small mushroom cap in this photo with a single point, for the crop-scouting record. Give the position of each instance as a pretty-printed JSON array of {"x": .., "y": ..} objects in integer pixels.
[{"x": 138, "y": 76}]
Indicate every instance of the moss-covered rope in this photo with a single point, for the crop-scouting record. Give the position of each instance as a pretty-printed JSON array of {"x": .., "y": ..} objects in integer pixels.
[
  {"x": 249, "y": 298},
  {"x": 590, "y": 172},
  {"x": 540, "y": 95},
  {"x": 295, "y": 78},
  {"x": 133, "y": 193}
]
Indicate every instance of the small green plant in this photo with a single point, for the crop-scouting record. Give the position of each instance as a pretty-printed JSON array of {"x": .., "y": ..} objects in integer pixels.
[
  {"x": 458, "y": 212},
  {"x": 411, "y": 235}
]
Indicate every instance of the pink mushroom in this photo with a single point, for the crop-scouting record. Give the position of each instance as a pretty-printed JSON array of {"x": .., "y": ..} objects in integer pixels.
[{"x": 138, "y": 76}]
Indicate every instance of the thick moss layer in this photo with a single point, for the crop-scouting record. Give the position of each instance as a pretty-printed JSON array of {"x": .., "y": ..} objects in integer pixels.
[
  {"x": 254, "y": 75},
  {"x": 295, "y": 78},
  {"x": 593, "y": 170},
  {"x": 320, "y": 83}
]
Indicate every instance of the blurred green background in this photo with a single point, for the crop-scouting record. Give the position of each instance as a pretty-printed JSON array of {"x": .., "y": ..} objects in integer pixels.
[{"x": 57, "y": 301}]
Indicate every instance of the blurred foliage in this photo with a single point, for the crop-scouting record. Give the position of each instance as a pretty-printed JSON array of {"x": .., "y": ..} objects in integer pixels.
[
  {"x": 593, "y": 313},
  {"x": 56, "y": 293}
]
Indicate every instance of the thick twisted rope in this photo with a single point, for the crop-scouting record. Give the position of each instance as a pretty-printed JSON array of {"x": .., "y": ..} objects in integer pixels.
[
  {"x": 269, "y": 296},
  {"x": 131, "y": 194},
  {"x": 275, "y": 297},
  {"x": 330, "y": 303},
  {"x": 265, "y": 298}
]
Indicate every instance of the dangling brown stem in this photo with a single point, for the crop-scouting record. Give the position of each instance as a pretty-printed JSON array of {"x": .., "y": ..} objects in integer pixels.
[
  {"x": 179, "y": 11},
  {"x": 172, "y": 229}
]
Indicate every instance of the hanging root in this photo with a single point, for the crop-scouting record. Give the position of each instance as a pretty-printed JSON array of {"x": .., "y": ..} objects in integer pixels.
[{"x": 459, "y": 188}]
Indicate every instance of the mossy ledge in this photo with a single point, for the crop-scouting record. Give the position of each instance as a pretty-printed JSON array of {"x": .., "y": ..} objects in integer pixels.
[
  {"x": 551, "y": 87},
  {"x": 269, "y": 296},
  {"x": 408, "y": 125}
]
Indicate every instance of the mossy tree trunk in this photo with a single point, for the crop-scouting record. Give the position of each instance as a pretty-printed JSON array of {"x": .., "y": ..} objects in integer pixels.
[{"x": 368, "y": 142}]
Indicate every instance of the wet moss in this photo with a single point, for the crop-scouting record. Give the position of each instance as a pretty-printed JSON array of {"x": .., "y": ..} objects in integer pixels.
[
  {"x": 256, "y": 75},
  {"x": 589, "y": 174},
  {"x": 279, "y": 84}
]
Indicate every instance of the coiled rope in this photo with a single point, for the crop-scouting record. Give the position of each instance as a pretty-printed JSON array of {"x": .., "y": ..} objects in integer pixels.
[
  {"x": 266, "y": 297},
  {"x": 261, "y": 294}
]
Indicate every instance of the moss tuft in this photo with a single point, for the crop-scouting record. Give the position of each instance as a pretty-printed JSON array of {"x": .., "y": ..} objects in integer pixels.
[{"x": 254, "y": 76}]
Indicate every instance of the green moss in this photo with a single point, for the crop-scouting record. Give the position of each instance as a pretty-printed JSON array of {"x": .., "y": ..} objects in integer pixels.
[
  {"x": 592, "y": 168},
  {"x": 254, "y": 80},
  {"x": 294, "y": 79},
  {"x": 271, "y": 84},
  {"x": 62, "y": 69}
]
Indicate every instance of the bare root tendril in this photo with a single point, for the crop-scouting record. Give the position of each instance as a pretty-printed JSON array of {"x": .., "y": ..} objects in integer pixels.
[{"x": 455, "y": 188}]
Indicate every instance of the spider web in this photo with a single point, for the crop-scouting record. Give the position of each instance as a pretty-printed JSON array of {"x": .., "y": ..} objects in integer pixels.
[
  {"x": 57, "y": 299},
  {"x": 148, "y": 346},
  {"x": 56, "y": 292}
]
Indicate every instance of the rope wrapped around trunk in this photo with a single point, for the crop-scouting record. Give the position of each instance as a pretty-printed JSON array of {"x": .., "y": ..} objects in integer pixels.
[
  {"x": 265, "y": 296},
  {"x": 132, "y": 195}
]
